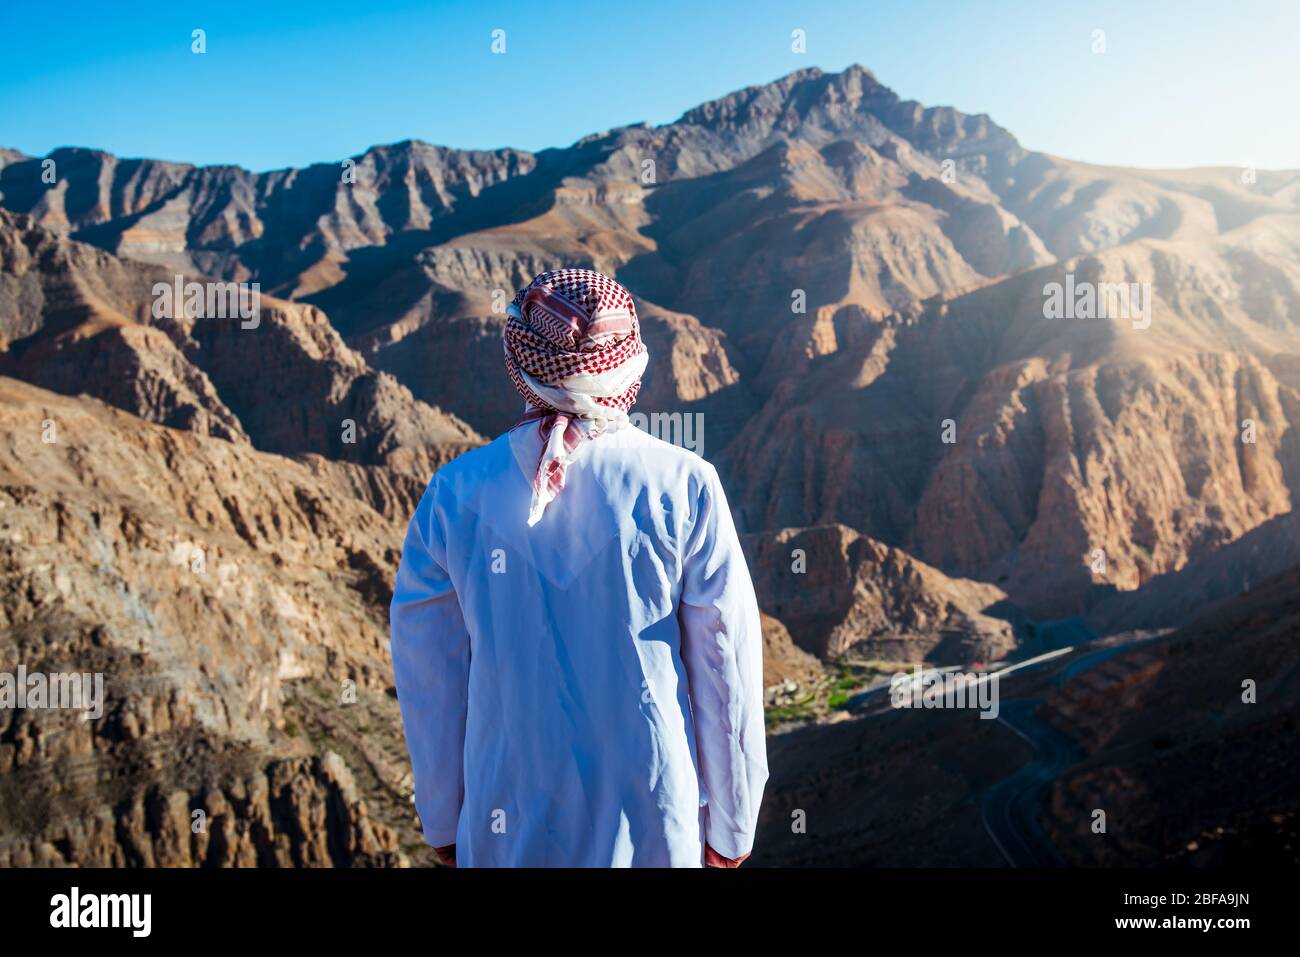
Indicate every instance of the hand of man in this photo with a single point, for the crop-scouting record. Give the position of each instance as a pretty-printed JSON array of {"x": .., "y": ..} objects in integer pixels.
[{"x": 713, "y": 859}]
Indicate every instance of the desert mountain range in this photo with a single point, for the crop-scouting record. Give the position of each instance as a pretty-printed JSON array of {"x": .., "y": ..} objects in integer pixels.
[{"x": 848, "y": 290}]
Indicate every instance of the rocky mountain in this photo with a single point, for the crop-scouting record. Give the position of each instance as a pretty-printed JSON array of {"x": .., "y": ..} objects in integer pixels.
[
  {"x": 1003, "y": 446},
  {"x": 954, "y": 387},
  {"x": 236, "y": 604},
  {"x": 1184, "y": 742},
  {"x": 78, "y": 320},
  {"x": 817, "y": 221},
  {"x": 1190, "y": 743},
  {"x": 838, "y": 591}
]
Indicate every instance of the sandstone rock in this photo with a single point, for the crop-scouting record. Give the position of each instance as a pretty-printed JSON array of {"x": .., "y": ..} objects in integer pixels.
[
  {"x": 839, "y": 591},
  {"x": 75, "y": 319},
  {"x": 207, "y": 582},
  {"x": 785, "y": 663},
  {"x": 1068, "y": 438}
]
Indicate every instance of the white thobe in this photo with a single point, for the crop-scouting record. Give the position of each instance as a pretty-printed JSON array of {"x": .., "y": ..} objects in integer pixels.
[{"x": 588, "y": 691}]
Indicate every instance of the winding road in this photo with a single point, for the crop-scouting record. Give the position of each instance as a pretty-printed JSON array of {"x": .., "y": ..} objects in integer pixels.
[
  {"x": 1011, "y": 807},
  {"x": 1010, "y": 810}
]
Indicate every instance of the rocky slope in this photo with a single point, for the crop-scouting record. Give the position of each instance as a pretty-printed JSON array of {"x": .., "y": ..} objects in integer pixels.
[
  {"x": 1186, "y": 742},
  {"x": 784, "y": 662},
  {"x": 76, "y": 319},
  {"x": 1262, "y": 553},
  {"x": 840, "y": 592},
  {"x": 828, "y": 273},
  {"x": 288, "y": 228},
  {"x": 235, "y": 603},
  {"x": 998, "y": 444},
  {"x": 1190, "y": 742}
]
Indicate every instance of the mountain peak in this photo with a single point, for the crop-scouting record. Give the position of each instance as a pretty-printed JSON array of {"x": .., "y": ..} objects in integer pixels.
[
  {"x": 821, "y": 107},
  {"x": 857, "y": 69}
]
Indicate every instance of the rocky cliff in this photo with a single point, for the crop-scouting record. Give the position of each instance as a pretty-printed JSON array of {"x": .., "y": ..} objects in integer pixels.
[{"x": 235, "y": 603}]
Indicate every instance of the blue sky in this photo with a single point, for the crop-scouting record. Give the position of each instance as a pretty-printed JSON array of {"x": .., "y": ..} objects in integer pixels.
[{"x": 287, "y": 83}]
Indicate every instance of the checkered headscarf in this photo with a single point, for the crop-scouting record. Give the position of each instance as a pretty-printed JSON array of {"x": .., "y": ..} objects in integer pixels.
[{"x": 573, "y": 350}]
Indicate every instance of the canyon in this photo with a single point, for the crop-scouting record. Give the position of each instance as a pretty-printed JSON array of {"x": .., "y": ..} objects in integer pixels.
[{"x": 846, "y": 289}]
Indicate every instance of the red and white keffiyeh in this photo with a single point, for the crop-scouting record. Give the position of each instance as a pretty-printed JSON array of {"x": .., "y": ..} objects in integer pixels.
[{"x": 574, "y": 351}]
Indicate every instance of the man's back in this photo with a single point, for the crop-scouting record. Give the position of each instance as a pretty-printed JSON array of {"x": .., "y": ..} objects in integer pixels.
[{"x": 579, "y": 740}]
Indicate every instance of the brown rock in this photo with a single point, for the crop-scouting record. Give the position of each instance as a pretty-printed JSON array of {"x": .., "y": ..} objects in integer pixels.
[{"x": 839, "y": 591}]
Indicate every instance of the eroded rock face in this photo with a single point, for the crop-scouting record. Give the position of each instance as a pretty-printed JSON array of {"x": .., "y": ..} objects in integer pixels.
[
  {"x": 783, "y": 661},
  {"x": 839, "y": 591},
  {"x": 74, "y": 319},
  {"x": 208, "y": 583},
  {"x": 273, "y": 226},
  {"x": 805, "y": 253},
  {"x": 1058, "y": 458},
  {"x": 297, "y": 812}
]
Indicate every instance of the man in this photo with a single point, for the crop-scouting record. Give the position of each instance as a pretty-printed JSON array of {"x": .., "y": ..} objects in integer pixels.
[{"x": 575, "y": 638}]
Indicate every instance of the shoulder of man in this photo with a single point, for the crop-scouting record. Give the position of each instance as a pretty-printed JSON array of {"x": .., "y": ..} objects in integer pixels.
[{"x": 471, "y": 466}]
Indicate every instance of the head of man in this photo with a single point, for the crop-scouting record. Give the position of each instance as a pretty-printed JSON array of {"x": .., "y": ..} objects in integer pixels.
[{"x": 573, "y": 350}]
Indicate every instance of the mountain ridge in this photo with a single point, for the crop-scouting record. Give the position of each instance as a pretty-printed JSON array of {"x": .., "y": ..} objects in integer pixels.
[
  {"x": 896, "y": 223},
  {"x": 843, "y": 294}
]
